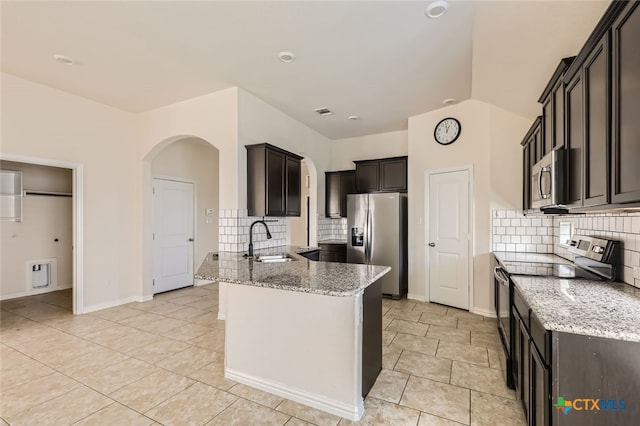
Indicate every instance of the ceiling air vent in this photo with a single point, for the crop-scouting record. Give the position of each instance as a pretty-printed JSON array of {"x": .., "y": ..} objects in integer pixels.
[{"x": 323, "y": 111}]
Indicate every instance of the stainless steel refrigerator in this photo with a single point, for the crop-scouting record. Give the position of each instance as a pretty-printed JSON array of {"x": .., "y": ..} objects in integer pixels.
[{"x": 377, "y": 235}]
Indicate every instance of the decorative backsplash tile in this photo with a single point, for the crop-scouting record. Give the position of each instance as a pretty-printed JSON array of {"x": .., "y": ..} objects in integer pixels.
[
  {"x": 513, "y": 231},
  {"x": 624, "y": 227},
  {"x": 332, "y": 229},
  {"x": 234, "y": 231}
]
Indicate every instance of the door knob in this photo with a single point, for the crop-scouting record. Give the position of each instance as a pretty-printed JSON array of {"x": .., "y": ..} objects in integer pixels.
[
  {"x": 432, "y": 244},
  {"x": 190, "y": 240}
]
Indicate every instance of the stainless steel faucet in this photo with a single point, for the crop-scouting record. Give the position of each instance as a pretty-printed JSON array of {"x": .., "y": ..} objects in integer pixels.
[{"x": 251, "y": 234}]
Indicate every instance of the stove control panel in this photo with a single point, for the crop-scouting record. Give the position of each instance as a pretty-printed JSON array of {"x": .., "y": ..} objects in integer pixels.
[{"x": 594, "y": 248}]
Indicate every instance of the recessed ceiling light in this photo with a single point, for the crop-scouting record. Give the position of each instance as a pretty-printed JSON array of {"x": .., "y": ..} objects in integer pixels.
[
  {"x": 354, "y": 117},
  {"x": 63, "y": 59},
  {"x": 436, "y": 9},
  {"x": 449, "y": 101},
  {"x": 286, "y": 57}
]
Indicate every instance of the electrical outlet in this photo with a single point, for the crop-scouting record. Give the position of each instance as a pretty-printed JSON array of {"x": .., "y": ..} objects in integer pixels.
[
  {"x": 208, "y": 212},
  {"x": 636, "y": 272}
]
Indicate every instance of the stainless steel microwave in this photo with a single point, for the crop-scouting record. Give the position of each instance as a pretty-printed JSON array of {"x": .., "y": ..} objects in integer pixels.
[{"x": 547, "y": 181}]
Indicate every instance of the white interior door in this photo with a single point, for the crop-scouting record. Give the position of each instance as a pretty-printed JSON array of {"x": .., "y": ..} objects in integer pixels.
[
  {"x": 172, "y": 234},
  {"x": 448, "y": 238}
]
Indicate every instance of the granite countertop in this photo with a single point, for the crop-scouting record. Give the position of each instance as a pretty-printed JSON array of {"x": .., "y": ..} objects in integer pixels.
[
  {"x": 511, "y": 256},
  {"x": 300, "y": 250},
  {"x": 303, "y": 275},
  {"x": 590, "y": 308},
  {"x": 333, "y": 242}
]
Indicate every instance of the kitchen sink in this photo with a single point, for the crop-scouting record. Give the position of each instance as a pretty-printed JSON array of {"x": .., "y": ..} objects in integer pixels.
[{"x": 273, "y": 258}]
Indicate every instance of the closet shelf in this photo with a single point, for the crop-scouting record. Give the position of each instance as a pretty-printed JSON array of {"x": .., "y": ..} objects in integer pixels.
[{"x": 47, "y": 193}]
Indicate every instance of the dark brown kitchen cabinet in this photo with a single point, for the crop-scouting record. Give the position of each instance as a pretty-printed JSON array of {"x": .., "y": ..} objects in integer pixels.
[
  {"x": 273, "y": 181},
  {"x": 330, "y": 252},
  {"x": 625, "y": 172},
  {"x": 552, "y": 100},
  {"x": 531, "y": 143},
  {"x": 574, "y": 140},
  {"x": 539, "y": 396},
  {"x": 381, "y": 175},
  {"x": 587, "y": 129},
  {"x": 337, "y": 186},
  {"x": 526, "y": 178},
  {"x": 521, "y": 357},
  {"x": 292, "y": 186}
]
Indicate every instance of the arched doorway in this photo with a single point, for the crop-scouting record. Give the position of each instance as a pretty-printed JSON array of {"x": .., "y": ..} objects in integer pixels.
[{"x": 187, "y": 161}]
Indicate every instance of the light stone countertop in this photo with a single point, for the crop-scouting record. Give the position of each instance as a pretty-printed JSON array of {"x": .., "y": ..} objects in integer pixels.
[
  {"x": 511, "y": 256},
  {"x": 303, "y": 275},
  {"x": 590, "y": 308}
]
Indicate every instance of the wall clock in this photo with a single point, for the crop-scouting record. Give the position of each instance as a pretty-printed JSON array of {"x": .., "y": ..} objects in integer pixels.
[{"x": 447, "y": 131}]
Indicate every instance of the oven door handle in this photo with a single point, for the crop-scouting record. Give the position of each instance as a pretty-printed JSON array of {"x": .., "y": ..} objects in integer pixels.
[
  {"x": 542, "y": 194},
  {"x": 500, "y": 276}
]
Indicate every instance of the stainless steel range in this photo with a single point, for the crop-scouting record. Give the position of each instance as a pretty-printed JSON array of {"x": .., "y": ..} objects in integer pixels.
[{"x": 595, "y": 259}]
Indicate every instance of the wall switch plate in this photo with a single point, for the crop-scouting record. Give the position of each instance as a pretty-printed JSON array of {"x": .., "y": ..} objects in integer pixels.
[
  {"x": 636, "y": 272},
  {"x": 208, "y": 212}
]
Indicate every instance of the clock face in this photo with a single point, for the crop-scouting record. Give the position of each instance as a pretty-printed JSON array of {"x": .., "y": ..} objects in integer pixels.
[{"x": 447, "y": 131}]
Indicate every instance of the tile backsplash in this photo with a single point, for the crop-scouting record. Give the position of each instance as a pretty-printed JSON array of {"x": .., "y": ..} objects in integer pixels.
[
  {"x": 624, "y": 227},
  {"x": 234, "y": 231},
  {"x": 513, "y": 231},
  {"x": 332, "y": 229}
]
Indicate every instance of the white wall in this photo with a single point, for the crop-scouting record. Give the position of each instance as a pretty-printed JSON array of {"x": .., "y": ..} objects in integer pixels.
[
  {"x": 381, "y": 145},
  {"x": 197, "y": 161},
  {"x": 38, "y": 121},
  {"x": 483, "y": 125}
]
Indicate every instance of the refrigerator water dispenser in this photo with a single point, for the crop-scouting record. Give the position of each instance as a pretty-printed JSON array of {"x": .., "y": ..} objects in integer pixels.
[{"x": 357, "y": 237}]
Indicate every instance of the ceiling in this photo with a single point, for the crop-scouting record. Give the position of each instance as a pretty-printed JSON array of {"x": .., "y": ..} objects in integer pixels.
[{"x": 383, "y": 61}]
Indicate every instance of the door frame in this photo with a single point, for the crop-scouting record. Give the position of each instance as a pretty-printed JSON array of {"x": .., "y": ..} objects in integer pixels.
[
  {"x": 77, "y": 226},
  {"x": 195, "y": 220},
  {"x": 427, "y": 180}
]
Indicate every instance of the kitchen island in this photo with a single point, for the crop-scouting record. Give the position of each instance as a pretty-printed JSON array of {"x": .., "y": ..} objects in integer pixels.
[{"x": 307, "y": 331}]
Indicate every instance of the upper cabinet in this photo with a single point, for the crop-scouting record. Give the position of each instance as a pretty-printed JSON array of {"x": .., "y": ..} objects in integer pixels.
[
  {"x": 552, "y": 100},
  {"x": 587, "y": 123},
  {"x": 337, "y": 186},
  {"x": 381, "y": 175},
  {"x": 273, "y": 181},
  {"x": 625, "y": 172},
  {"x": 532, "y": 153},
  {"x": 590, "y": 108}
]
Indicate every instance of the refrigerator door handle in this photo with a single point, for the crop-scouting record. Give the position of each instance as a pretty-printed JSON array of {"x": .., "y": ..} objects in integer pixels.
[
  {"x": 369, "y": 234},
  {"x": 366, "y": 238}
]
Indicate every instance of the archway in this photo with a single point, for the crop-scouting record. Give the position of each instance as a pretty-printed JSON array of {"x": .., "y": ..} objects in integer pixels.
[{"x": 188, "y": 159}]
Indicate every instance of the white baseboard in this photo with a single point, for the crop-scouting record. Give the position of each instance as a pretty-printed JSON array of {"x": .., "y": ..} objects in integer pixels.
[
  {"x": 114, "y": 303},
  {"x": 312, "y": 400},
  {"x": 221, "y": 316},
  {"x": 35, "y": 292},
  {"x": 416, "y": 297},
  {"x": 484, "y": 312},
  {"x": 197, "y": 282}
]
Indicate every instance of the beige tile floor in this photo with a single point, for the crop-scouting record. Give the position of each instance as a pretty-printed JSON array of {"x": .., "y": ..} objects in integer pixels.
[{"x": 161, "y": 362}]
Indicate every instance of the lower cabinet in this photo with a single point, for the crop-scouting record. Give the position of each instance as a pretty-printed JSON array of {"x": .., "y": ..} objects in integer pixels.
[
  {"x": 539, "y": 388},
  {"x": 521, "y": 357},
  {"x": 531, "y": 348},
  {"x": 333, "y": 252}
]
